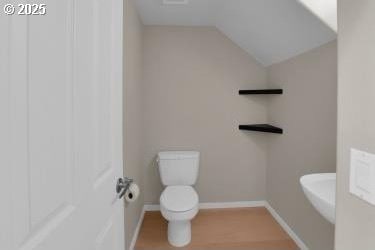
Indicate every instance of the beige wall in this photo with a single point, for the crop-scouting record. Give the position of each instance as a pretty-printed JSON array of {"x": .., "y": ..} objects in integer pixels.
[
  {"x": 355, "y": 226},
  {"x": 307, "y": 113},
  {"x": 190, "y": 97},
  {"x": 132, "y": 111}
]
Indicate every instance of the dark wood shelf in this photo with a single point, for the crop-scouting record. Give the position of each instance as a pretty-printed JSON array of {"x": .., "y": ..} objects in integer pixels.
[
  {"x": 260, "y": 92},
  {"x": 261, "y": 128}
]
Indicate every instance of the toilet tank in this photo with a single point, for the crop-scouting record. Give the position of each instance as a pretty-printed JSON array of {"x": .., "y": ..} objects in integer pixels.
[{"x": 178, "y": 167}]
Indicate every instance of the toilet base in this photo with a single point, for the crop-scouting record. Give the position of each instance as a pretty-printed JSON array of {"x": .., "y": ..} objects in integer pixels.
[{"x": 179, "y": 233}]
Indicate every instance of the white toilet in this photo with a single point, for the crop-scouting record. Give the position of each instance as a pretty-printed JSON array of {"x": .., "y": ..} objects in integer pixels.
[{"x": 179, "y": 201}]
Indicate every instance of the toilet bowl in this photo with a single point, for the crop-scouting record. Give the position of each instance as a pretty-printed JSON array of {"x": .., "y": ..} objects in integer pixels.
[
  {"x": 179, "y": 205},
  {"x": 179, "y": 201}
]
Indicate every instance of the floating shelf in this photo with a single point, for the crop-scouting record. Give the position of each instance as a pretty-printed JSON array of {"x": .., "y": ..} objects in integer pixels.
[
  {"x": 261, "y": 128},
  {"x": 261, "y": 92}
]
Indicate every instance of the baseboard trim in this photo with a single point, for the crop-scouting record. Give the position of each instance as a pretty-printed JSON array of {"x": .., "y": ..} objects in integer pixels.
[
  {"x": 137, "y": 229},
  {"x": 237, "y": 204},
  {"x": 286, "y": 227},
  {"x": 150, "y": 207},
  {"x": 213, "y": 205}
]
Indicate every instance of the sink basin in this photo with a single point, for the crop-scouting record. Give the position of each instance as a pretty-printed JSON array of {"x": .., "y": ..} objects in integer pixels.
[{"x": 320, "y": 190}]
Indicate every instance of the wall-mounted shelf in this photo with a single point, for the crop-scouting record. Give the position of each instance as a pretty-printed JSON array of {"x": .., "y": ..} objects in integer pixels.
[
  {"x": 261, "y": 128},
  {"x": 260, "y": 92}
]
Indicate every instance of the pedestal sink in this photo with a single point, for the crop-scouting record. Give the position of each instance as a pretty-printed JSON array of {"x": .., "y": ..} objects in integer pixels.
[{"x": 320, "y": 190}]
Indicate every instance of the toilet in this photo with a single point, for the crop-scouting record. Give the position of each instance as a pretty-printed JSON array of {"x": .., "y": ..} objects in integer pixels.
[{"x": 179, "y": 201}]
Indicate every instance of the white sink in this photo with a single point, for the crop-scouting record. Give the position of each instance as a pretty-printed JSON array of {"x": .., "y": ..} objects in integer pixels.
[{"x": 320, "y": 190}]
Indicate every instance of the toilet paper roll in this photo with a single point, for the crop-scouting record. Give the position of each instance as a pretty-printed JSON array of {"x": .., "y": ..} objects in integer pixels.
[{"x": 132, "y": 193}]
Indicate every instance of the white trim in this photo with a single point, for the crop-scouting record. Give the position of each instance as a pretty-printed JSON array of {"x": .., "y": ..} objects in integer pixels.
[
  {"x": 237, "y": 204},
  {"x": 150, "y": 207},
  {"x": 137, "y": 229},
  {"x": 213, "y": 205},
  {"x": 175, "y": 2},
  {"x": 286, "y": 227}
]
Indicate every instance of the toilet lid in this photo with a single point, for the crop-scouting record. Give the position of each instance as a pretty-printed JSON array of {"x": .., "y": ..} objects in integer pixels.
[{"x": 179, "y": 198}]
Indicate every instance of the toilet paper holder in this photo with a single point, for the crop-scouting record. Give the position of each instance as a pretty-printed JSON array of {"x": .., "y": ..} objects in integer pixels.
[{"x": 122, "y": 186}]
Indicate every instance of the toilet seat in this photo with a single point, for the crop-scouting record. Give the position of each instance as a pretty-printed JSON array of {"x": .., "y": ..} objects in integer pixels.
[
  {"x": 179, "y": 199},
  {"x": 179, "y": 203}
]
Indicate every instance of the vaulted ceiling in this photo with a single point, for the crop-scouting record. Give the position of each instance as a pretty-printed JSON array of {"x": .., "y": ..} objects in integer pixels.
[{"x": 269, "y": 30}]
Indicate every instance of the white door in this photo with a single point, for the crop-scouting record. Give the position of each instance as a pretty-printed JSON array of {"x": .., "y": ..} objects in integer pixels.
[{"x": 61, "y": 127}]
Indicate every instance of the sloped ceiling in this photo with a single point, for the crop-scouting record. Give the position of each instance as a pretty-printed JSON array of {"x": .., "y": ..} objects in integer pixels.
[
  {"x": 269, "y": 30},
  {"x": 326, "y": 10}
]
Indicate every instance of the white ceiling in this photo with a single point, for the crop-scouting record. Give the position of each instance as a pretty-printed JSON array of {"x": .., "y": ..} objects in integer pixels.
[
  {"x": 270, "y": 30},
  {"x": 326, "y": 10}
]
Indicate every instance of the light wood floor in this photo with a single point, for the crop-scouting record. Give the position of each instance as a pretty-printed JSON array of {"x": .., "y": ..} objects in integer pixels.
[{"x": 220, "y": 229}]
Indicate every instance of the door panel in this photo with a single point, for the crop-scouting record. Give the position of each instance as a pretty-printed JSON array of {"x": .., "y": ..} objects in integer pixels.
[
  {"x": 62, "y": 118},
  {"x": 102, "y": 68},
  {"x": 105, "y": 239},
  {"x": 5, "y": 129},
  {"x": 50, "y": 107}
]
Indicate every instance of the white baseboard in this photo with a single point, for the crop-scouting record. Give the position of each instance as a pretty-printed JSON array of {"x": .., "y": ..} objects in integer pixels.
[
  {"x": 137, "y": 229},
  {"x": 149, "y": 207},
  {"x": 238, "y": 204},
  {"x": 286, "y": 227},
  {"x": 213, "y": 205}
]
